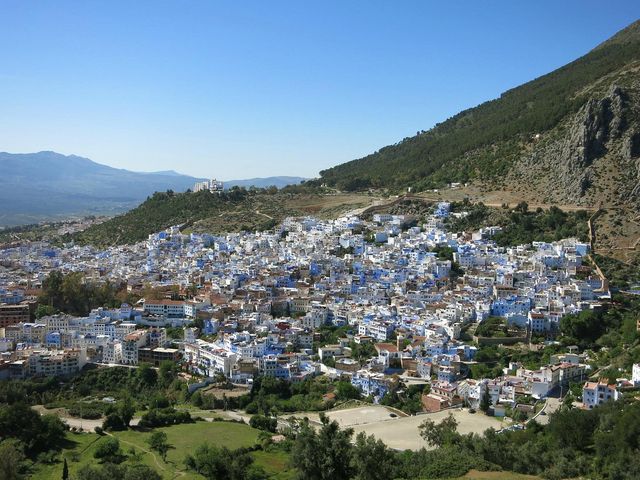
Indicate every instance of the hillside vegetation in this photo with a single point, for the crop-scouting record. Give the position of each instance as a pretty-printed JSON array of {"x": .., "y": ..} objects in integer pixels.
[
  {"x": 485, "y": 142},
  {"x": 234, "y": 210},
  {"x": 521, "y": 225}
]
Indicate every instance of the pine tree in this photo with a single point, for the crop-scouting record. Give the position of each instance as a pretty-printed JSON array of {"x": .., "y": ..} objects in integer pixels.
[{"x": 485, "y": 403}]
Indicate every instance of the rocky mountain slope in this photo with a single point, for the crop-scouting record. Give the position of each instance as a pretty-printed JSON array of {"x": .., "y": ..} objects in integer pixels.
[
  {"x": 593, "y": 156},
  {"x": 572, "y": 136}
]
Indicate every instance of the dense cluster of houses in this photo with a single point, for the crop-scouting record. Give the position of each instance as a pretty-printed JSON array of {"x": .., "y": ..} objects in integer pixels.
[{"x": 263, "y": 298}]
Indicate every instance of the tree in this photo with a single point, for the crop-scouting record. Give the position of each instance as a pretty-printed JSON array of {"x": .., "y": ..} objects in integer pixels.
[
  {"x": 567, "y": 401},
  {"x": 168, "y": 372},
  {"x": 44, "y": 310},
  {"x": 522, "y": 207},
  {"x": 75, "y": 294},
  {"x": 160, "y": 417},
  {"x": 159, "y": 401},
  {"x": 11, "y": 457},
  {"x": 108, "y": 449},
  {"x": 140, "y": 471},
  {"x": 134, "y": 455},
  {"x": 346, "y": 391},
  {"x": 65, "y": 470},
  {"x": 95, "y": 472},
  {"x": 263, "y": 422},
  {"x": 126, "y": 410},
  {"x": 362, "y": 351},
  {"x": 217, "y": 463},
  {"x": 71, "y": 293},
  {"x": 325, "y": 455},
  {"x": 485, "y": 403},
  {"x": 372, "y": 459},
  {"x": 113, "y": 422},
  {"x": 36, "y": 432},
  {"x": 52, "y": 289},
  {"x": 147, "y": 375},
  {"x": 441, "y": 434},
  {"x": 158, "y": 442},
  {"x": 583, "y": 328}
]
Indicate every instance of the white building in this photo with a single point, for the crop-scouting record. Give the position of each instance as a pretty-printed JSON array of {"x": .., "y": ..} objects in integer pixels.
[
  {"x": 130, "y": 346},
  {"x": 213, "y": 185},
  {"x": 209, "y": 359},
  {"x": 635, "y": 378},
  {"x": 596, "y": 393},
  {"x": 112, "y": 352}
]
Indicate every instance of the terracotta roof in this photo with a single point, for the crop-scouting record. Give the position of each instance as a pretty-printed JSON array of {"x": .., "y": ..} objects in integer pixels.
[
  {"x": 389, "y": 347},
  {"x": 164, "y": 302}
]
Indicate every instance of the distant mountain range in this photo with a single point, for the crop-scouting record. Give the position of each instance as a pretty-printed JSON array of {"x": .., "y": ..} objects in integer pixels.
[{"x": 49, "y": 186}]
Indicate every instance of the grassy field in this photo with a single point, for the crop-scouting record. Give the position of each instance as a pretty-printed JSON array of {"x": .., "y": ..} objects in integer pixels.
[
  {"x": 276, "y": 464},
  {"x": 78, "y": 450},
  {"x": 184, "y": 440}
]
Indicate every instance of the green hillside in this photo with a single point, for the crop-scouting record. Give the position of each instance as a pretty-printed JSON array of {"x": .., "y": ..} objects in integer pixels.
[
  {"x": 164, "y": 209},
  {"x": 234, "y": 210},
  {"x": 484, "y": 142}
]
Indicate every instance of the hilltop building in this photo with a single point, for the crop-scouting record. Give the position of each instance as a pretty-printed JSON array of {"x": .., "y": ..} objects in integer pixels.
[{"x": 213, "y": 185}]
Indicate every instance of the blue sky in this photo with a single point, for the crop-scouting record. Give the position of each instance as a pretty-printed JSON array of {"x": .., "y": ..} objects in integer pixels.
[{"x": 232, "y": 89}]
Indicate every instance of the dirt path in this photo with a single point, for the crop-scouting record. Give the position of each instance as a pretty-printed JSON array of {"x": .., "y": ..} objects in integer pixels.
[
  {"x": 135, "y": 445},
  {"x": 82, "y": 424},
  {"x": 264, "y": 214},
  {"x": 494, "y": 199}
]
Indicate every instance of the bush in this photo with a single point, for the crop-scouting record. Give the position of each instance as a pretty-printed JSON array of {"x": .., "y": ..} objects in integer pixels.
[
  {"x": 262, "y": 422},
  {"x": 108, "y": 449},
  {"x": 162, "y": 417},
  {"x": 113, "y": 422},
  {"x": 88, "y": 410},
  {"x": 49, "y": 457},
  {"x": 214, "y": 462}
]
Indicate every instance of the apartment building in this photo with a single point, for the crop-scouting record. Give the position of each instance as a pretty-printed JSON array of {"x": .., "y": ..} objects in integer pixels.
[
  {"x": 11, "y": 314},
  {"x": 596, "y": 393}
]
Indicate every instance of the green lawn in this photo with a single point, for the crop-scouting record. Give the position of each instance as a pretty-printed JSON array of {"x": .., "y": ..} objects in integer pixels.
[
  {"x": 184, "y": 439},
  {"x": 187, "y": 437},
  {"x": 275, "y": 463},
  {"x": 78, "y": 450}
]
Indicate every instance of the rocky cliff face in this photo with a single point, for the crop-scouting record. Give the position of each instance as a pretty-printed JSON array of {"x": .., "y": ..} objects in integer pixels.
[{"x": 593, "y": 157}]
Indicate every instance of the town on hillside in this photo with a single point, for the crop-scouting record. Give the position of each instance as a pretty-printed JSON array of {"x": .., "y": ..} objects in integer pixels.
[{"x": 382, "y": 303}]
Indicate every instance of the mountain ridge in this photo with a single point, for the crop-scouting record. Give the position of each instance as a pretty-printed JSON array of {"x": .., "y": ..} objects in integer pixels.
[
  {"x": 46, "y": 186},
  {"x": 485, "y": 143}
]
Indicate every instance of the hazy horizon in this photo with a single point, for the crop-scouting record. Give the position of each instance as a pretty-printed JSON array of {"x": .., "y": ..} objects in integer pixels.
[
  {"x": 256, "y": 90},
  {"x": 173, "y": 170}
]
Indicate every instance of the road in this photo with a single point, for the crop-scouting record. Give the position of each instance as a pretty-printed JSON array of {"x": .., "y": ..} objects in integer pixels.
[
  {"x": 81, "y": 424},
  {"x": 87, "y": 425},
  {"x": 397, "y": 431},
  {"x": 552, "y": 405}
]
